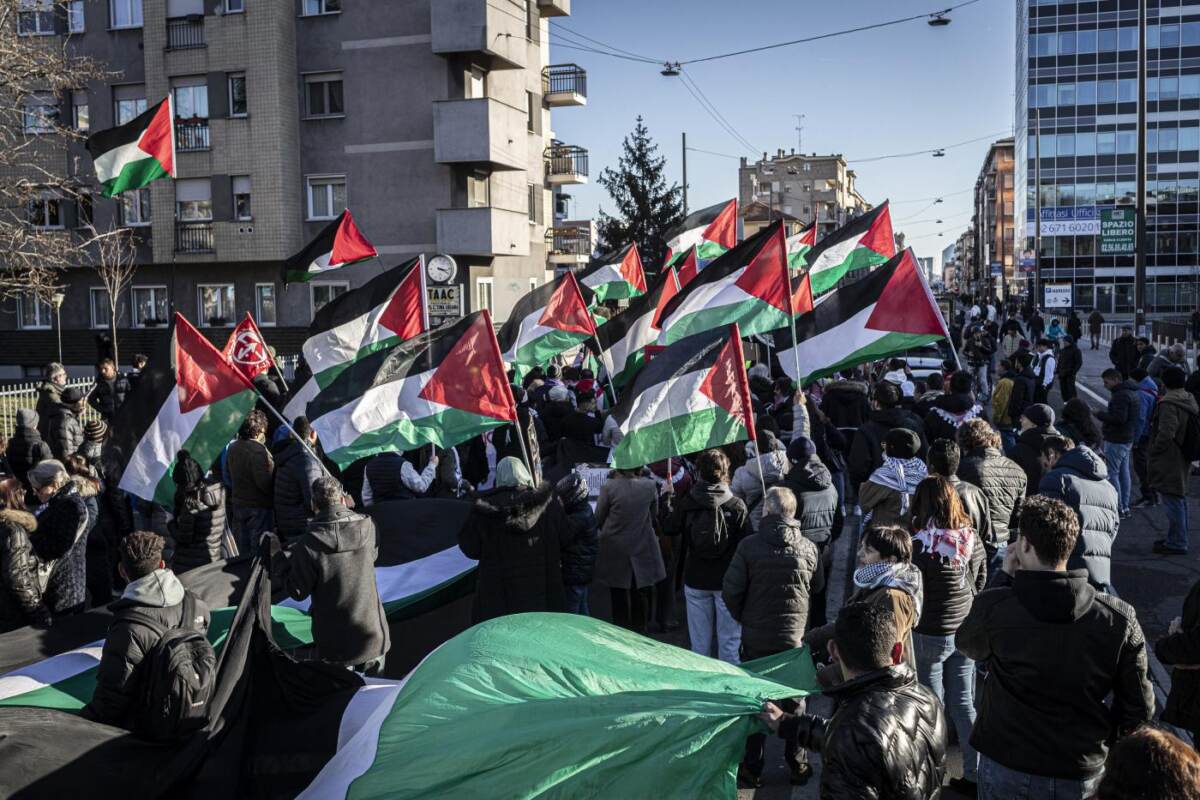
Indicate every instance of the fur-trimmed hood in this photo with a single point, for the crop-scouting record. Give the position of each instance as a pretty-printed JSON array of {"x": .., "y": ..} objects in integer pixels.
[
  {"x": 20, "y": 517},
  {"x": 518, "y": 509}
]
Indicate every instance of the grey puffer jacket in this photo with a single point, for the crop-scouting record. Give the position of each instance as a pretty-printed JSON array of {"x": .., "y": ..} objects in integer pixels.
[
  {"x": 748, "y": 485},
  {"x": 66, "y": 432},
  {"x": 769, "y": 582},
  {"x": 1003, "y": 483},
  {"x": 1080, "y": 479},
  {"x": 198, "y": 527}
]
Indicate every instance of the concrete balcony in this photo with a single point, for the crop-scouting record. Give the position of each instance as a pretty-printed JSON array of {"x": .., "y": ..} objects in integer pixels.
[
  {"x": 566, "y": 164},
  {"x": 480, "y": 131},
  {"x": 483, "y": 231},
  {"x": 555, "y": 8},
  {"x": 571, "y": 246},
  {"x": 490, "y": 31},
  {"x": 564, "y": 85}
]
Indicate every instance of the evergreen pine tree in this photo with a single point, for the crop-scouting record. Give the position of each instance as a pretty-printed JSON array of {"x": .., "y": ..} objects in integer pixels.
[{"x": 646, "y": 206}]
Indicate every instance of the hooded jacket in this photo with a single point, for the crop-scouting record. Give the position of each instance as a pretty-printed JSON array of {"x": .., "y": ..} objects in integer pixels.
[
  {"x": 816, "y": 499},
  {"x": 705, "y": 500},
  {"x": 748, "y": 486},
  {"x": 295, "y": 471},
  {"x": 334, "y": 564},
  {"x": 26, "y": 447},
  {"x": 1080, "y": 479},
  {"x": 886, "y": 739},
  {"x": 157, "y": 597},
  {"x": 1121, "y": 419},
  {"x": 1027, "y": 453},
  {"x": 769, "y": 583},
  {"x": 579, "y": 559},
  {"x": 20, "y": 592},
  {"x": 1056, "y": 648},
  {"x": 1183, "y": 648},
  {"x": 66, "y": 432},
  {"x": 948, "y": 413},
  {"x": 953, "y": 570},
  {"x": 846, "y": 404},
  {"x": 198, "y": 527},
  {"x": 517, "y": 535},
  {"x": 866, "y": 451},
  {"x": 1003, "y": 482},
  {"x": 49, "y": 398},
  {"x": 1147, "y": 398},
  {"x": 1169, "y": 468}
]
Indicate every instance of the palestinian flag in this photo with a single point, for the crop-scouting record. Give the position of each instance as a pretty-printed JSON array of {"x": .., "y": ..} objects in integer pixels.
[
  {"x": 749, "y": 285},
  {"x": 137, "y": 153},
  {"x": 615, "y": 276},
  {"x": 439, "y": 388},
  {"x": 863, "y": 242},
  {"x": 387, "y": 310},
  {"x": 623, "y": 339},
  {"x": 887, "y": 312},
  {"x": 338, "y": 245},
  {"x": 711, "y": 231},
  {"x": 799, "y": 245},
  {"x": 197, "y": 407},
  {"x": 693, "y": 395},
  {"x": 550, "y": 319},
  {"x": 687, "y": 267}
]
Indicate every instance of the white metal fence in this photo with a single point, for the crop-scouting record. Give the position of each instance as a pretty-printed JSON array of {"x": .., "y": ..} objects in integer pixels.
[{"x": 25, "y": 395}]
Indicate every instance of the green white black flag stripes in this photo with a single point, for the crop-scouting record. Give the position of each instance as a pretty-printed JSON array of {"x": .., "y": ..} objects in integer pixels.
[
  {"x": 439, "y": 388},
  {"x": 885, "y": 313},
  {"x": 861, "y": 243},
  {"x": 711, "y": 231},
  {"x": 799, "y": 244},
  {"x": 749, "y": 285},
  {"x": 624, "y": 338},
  {"x": 693, "y": 395},
  {"x": 550, "y": 319},
  {"x": 616, "y": 275},
  {"x": 137, "y": 153}
]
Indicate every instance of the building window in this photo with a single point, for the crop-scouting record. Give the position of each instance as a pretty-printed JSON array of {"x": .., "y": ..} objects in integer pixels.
[
  {"x": 237, "y": 94},
  {"x": 101, "y": 313},
  {"x": 39, "y": 114},
  {"x": 150, "y": 305},
  {"x": 235, "y": 6},
  {"x": 129, "y": 101},
  {"x": 45, "y": 213},
  {"x": 483, "y": 294},
  {"x": 79, "y": 110},
  {"x": 477, "y": 190},
  {"x": 75, "y": 22},
  {"x": 315, "y": 8},
  {"x": 324, "y": 291},
  {"x": 36, "y": 18},
  {"x": 536, "y": 213},
  {"x": 530, "y": 111},
  {"x": 476, "y": 83},
  {"x": 216, "y": 304},
  {"x": 323, "y": 94},
  {"x": 193, "y": 200},
  {"x": 191, "y": 100},
  {"x": 135, "y": 208},
  {"x": 806, "y": 167},
  {"x": 125, "y": 13},
  {"x": 264, "y": 304},
  {"x": 326, "y": 196},
  {"x": 241, "y": 198},
  {"x": 33, "y": 313}
]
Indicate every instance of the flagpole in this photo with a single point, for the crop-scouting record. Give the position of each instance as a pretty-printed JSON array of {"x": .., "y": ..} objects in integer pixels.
[{"x": 292, "y": 431}]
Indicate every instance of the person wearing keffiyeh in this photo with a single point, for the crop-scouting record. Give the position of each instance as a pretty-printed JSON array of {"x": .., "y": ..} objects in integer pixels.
[{"x": 885, "y": 496}]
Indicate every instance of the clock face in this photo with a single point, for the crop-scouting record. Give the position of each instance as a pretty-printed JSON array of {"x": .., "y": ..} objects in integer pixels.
[{"x": 441, "y": 269}]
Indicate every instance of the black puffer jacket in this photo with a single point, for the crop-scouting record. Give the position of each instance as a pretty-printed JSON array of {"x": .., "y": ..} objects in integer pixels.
[
  {"x": 1023, "y": 391},
  {"x": 1080, "y": 479},
  {"x": 66, "y": 432},
  {"x": 20, "y": 593},
  {"x": 769, "y": 582},
  {"x": 1003, "y": 482},
  {"x": 886, "y": 739},
  {"x": 198, "y": 527},
  {"x": 295, "y": 471},
  {"x": 579, "y": 559},
  {"x": 816, "y": 499},
  {"x": 1120, "y": 420},
  {"x": 846, "y": 404},
  {"x": 1027, "y": 453},
  {"x": 949, "y": 412},
  {"x": 517, "y": 535},
  {"x": 26, "y": 448},
  {"x": 62, "y": 524},
  {"x": 866, "y": 451},
  {"x": 108, "y": 396},
  {"x": 950, "y": 588},
  {"x": 1183, "y": 704}
]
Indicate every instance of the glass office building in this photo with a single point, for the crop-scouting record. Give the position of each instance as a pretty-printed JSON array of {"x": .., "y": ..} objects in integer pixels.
[{"x": 1076, "y": 112}]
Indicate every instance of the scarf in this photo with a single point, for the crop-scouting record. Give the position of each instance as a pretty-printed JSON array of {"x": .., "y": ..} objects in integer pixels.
[
  {"x": 893, "y": 575},
  {"x": 901, "y": 475},
  {"x": 951, "y": 546}
]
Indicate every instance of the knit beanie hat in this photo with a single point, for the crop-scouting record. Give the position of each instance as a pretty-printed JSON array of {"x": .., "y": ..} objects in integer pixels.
[{"x": 1039, "y": 414}]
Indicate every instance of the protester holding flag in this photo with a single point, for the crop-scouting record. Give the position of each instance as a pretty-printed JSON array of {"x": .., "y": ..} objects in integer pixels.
[
  {"x": 252, "y": 470},
  {"x": 630, "y": 562}
]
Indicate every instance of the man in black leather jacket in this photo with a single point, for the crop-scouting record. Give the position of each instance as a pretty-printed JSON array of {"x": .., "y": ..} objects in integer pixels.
[{"x": 887, "y": 738}]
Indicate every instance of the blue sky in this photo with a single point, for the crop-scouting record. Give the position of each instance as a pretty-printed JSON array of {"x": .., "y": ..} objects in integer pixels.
[{"x": 894, "y": 90}]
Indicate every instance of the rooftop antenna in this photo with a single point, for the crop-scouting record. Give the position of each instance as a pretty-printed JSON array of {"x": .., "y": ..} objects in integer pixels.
[{"x": 799, "y": 133}]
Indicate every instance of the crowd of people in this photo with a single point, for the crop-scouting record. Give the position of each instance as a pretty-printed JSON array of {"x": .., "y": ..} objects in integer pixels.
[{"x": 981, "y": 608}]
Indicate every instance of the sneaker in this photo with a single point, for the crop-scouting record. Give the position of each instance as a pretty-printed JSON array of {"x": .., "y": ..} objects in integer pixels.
[
  {"x": 747, "y": 779},
  {"x": 801, "y": 774},
  {"x": 1165, "y": 549},
  {"x": 964, "y": 787}
]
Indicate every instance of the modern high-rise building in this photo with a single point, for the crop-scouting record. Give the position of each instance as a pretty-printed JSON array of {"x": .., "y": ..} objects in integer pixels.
[
  {"x": 429, "y": 119},
  {"x": 806, "y": 187},
  {"x": 1077, "y": 135}
]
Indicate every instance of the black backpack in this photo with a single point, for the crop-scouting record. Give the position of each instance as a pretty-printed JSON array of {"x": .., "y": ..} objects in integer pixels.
[
  {"x": 709, "y": 534},
  {"x": 178, "y": 676}
]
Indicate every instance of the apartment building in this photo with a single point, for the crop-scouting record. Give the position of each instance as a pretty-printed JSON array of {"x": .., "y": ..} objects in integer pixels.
[
  {"x": 429, "y": 119},
  {"x": 805, "y": 187},
  {"x": 993, "y": 221}
]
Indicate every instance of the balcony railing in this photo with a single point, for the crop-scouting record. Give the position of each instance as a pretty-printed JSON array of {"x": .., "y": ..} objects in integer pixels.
[
  {"x": 191, "y": 135},
  {"x": 566, "y": 164},
  {"x": 564, "y": 85},
  {"x": 185, "y": 33},
  {"x": 568, "y": 245},
  {"x": 193, "y": 237}
]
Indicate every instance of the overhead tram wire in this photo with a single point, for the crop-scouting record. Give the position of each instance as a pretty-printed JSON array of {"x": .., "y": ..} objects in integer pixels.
[
  {"x": 708, "y": 106},
  {"x": 564, "y": 30},
  {"x": 713, "y": 153},
  {"x": 930, "y": 150}
]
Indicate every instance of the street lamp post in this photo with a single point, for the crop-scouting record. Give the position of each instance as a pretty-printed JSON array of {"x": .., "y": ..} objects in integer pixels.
[{"x": 57, "y": 299}]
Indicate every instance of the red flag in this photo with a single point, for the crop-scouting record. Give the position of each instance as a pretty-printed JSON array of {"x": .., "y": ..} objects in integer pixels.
[
  {"x": 202, "y": 372},
  {"x": 247, "y": 350}
]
